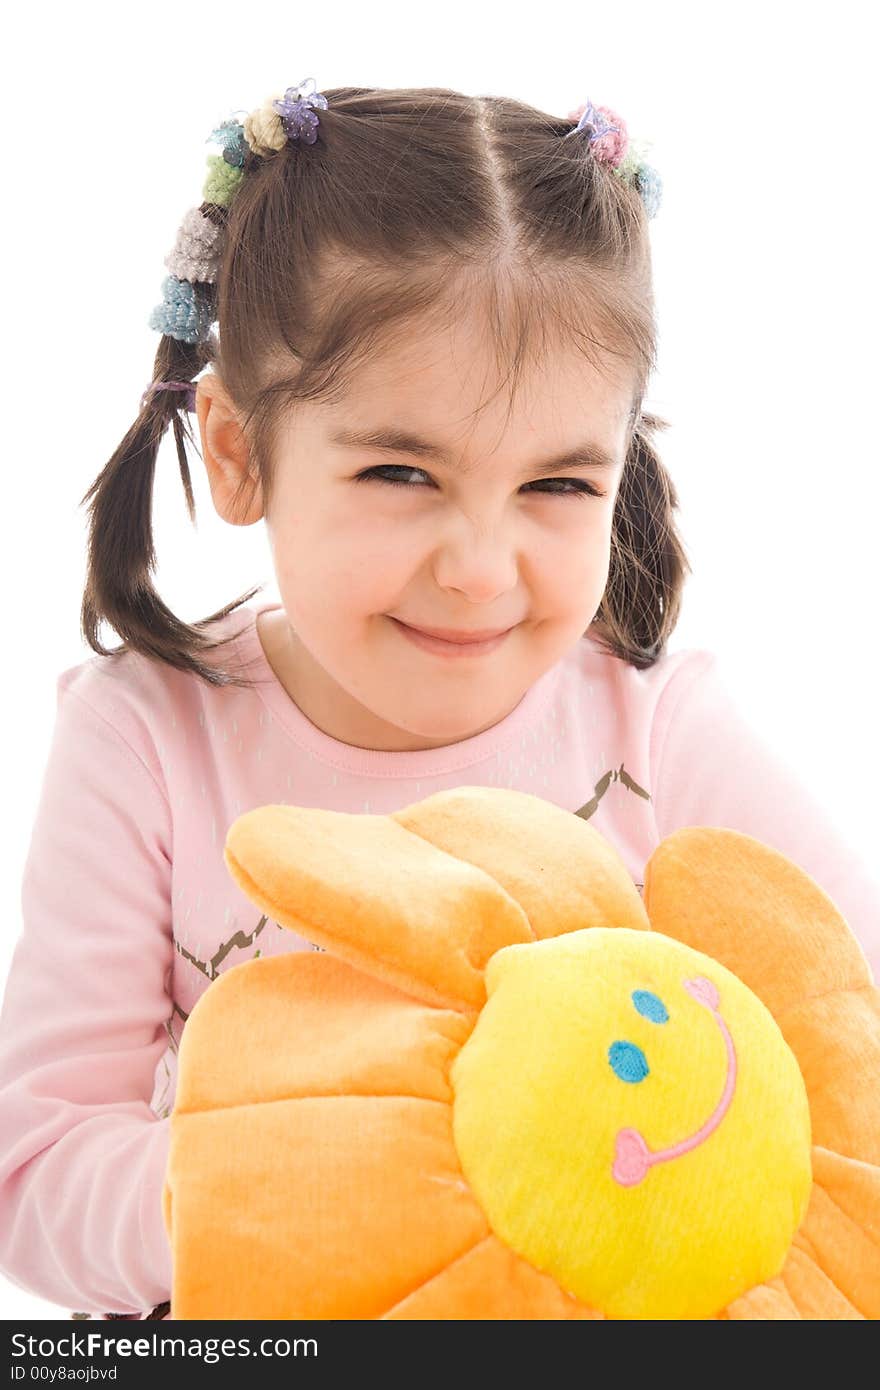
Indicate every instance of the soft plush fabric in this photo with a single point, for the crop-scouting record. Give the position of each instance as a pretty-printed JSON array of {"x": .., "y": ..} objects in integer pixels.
[
  {"x": 509, "y": 1088},
  {"x": 128, "y": 912}
]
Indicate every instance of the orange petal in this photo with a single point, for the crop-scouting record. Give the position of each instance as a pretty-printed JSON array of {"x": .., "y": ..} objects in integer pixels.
[
  {"x": 490, "y": 1283},
  {"x": 307, "y": 1024},
  {"x": 768, "y": 1302},
  {"x": 841, "y": 1230},
  {"x": 334, "y": 1207},
  {"x": 813, "y": 1293},
  {"x": 756, "y": 912},
  {"x": 836, "y": 1040},
  {"x": 384, "y": 899},
  {"x": 562, "y": 872}
]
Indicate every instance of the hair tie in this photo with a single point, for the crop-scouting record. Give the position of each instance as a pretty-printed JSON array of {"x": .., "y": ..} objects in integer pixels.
[
  {"x": 609, "y": 143},
  {"x": 189, "y": 294},
  {"x": 188, "y": 386}
]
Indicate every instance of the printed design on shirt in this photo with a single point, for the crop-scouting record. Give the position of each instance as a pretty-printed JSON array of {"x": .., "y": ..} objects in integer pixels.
[
  {"x": 162, "y": 1103},
  {"x": 211, "y": 968},
  {"x": 174, "y": 1038},
  {"x": 156, "y": 1314},
  {"x": 239, "y": 941},
  {"x": 614, "y": 774}
]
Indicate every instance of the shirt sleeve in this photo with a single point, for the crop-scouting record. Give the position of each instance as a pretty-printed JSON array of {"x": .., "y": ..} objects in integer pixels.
[
  {"x": 82, "y": 1027},
  {"x": 709, "y": 767}
]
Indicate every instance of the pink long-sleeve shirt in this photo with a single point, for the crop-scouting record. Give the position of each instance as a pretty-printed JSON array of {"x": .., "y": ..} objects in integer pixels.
[{"x": 129, "y": 911}]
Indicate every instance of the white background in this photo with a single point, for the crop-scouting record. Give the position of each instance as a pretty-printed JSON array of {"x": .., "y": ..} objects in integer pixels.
[{"x": 764, "y": 129}]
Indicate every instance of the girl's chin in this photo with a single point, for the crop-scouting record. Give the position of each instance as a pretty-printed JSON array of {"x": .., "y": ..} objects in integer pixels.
[{"x": 460, "y": 714}]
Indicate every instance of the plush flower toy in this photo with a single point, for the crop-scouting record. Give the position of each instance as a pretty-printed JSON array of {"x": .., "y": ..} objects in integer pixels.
[{"x": 509, "y": 1088}]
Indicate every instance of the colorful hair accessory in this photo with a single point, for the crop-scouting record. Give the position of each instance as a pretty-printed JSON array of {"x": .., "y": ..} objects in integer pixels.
[
  {"x": 188, "y": 386},
  {"x": 187, "y": 310},
  {"x": 650, "y": 188},
  {"x": 604, "y": 125},
  {"x": 264, "y": 131},
  {"x": 610, "y": 144},
  {"x": 189, "y": 304},
  {"x": 231, "y": 136},
  {"x": 297, "y": 113},
  {"x": 221, "y": 181},
  {"x": 197, "y": 250}
]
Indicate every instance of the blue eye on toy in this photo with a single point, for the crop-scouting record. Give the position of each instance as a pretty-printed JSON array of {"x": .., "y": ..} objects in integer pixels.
[
  {"x": 628, "y": 1061},
  {"x": 649, "y": 1006}
]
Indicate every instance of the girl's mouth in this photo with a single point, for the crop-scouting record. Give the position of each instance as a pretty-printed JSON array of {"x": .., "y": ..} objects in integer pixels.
[{"x": 441, "y": 647}]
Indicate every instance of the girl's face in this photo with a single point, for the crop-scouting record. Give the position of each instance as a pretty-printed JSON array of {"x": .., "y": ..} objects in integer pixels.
[{"x": 484, "y": 530}]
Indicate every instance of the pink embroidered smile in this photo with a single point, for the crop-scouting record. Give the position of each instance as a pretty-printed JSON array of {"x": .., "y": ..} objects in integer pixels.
[{"x": 632, "y": 1157}]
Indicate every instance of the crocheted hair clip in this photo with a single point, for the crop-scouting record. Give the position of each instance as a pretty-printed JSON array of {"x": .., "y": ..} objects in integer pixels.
[
  {"x": 609, "y": 143},
  {"x": 189, "y": 293}
]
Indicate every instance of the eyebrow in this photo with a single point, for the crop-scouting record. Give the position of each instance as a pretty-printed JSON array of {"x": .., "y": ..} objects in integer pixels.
[{"x": 396, "y": 441}]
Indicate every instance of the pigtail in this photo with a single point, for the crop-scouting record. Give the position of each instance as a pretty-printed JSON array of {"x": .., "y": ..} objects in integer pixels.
[
  {"x": 648, "y": 564},
  {"x": 121, "y": 560},
  {"x": 121, "y": 555}
]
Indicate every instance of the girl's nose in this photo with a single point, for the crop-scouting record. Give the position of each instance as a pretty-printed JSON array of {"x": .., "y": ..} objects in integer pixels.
[{"x": 479, "y": 562}]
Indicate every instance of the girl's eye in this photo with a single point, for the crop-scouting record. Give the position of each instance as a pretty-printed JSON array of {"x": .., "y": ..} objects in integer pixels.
[{"x": 579, "y": 486}]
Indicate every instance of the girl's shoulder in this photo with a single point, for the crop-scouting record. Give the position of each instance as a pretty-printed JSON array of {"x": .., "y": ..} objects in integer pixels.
[
  {"x": 137, "y": 693},
  {"x": 600, "y": 673}
]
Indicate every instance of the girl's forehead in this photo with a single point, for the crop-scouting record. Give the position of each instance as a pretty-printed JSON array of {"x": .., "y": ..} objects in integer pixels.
[
  {"x": 450, "y": 381},
  {"x": 455, "y": 351}
]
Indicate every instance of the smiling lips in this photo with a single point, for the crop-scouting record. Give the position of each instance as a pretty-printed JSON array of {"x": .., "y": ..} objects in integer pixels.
[
  {"x": 453, "y": 642},
  {"x": 451, "y": 634}
]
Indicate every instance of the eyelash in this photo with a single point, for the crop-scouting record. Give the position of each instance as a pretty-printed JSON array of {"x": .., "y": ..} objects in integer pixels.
[{"x": 579, "y": 486}]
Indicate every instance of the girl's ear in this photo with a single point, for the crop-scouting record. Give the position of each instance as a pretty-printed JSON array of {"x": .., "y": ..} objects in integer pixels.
[{"x": 235, "y": 486}]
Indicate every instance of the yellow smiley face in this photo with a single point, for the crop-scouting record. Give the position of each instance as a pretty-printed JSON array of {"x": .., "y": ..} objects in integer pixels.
[{"x": 632, "y": 1121}]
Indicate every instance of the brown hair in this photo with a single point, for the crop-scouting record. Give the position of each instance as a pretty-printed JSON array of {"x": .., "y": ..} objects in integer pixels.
[{"x": 409, "y": 201}]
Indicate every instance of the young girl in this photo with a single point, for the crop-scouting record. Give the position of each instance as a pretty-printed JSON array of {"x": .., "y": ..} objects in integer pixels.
[{"x": 435, "y": 337}]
